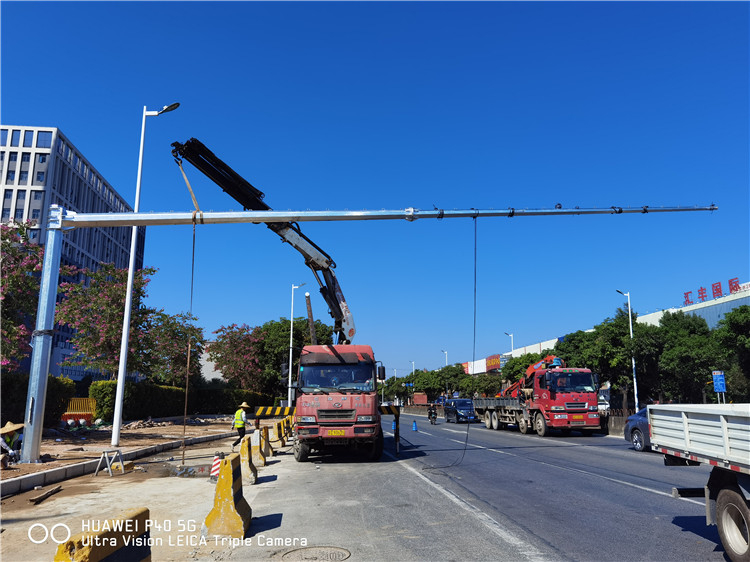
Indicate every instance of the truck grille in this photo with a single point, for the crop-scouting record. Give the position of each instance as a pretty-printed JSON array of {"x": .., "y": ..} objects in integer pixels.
[
  {"x": 336, "y": 415},
  {"x": 576, "y": 405}
]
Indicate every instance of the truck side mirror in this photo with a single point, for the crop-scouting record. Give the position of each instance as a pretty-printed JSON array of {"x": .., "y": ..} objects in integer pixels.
[
  {"x": 381, "y": 373},
  {"x": 546, "y": 381}
]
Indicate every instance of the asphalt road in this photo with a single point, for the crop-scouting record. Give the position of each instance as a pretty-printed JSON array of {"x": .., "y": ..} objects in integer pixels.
[
  {"x": 453, "y": 493},
  {"x": 567, "y": 498}
]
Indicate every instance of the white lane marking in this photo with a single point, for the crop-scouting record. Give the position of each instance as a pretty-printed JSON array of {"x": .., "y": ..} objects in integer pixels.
[
  {"x": 455, "y": 430},
  {"x": 503, "y": 534},
  {"x": 578, "y": 470}
]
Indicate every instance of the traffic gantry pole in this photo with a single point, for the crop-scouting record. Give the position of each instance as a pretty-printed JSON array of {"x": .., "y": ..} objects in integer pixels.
[{"x": 61, "y": 220}]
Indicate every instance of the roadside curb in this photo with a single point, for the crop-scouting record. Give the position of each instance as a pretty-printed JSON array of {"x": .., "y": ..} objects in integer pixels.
[{"x": 13, "y": 486}]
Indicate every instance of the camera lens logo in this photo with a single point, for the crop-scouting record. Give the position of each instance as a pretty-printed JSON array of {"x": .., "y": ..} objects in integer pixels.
[{"x": 41, "y": 536}]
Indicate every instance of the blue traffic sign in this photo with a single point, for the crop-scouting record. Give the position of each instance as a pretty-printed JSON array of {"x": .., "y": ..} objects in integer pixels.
[{"x": 720, "y": 384}]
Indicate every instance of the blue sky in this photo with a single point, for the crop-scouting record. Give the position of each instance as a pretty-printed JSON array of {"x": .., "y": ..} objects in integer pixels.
[{"x": 358, "y": 105}]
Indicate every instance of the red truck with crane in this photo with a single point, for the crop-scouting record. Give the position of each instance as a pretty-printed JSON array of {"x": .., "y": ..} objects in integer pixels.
[
  {"x": 550, "y": 395},
  {"x": 336, "y": 402}
]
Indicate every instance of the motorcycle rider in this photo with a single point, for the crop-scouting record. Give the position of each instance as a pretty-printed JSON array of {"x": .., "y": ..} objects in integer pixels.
[{"x": 431, "y": 412}]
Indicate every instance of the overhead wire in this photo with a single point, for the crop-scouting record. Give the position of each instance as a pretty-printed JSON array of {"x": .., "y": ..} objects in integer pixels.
[{"x": 460, "y": 459}]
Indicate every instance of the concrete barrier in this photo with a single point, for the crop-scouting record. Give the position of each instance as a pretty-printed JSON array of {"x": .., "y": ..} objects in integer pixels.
[
  {"x": 265, "y": 442},
  {"x": 231, "y": 514},
  {"x": 249, "y": 472},
  {"x": 279, "y": 430},
  {"x": 257, "y": 451},
  {"x": 124, "y": 537}
]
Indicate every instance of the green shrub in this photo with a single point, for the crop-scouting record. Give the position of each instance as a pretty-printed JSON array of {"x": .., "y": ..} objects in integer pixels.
[
  {"x": 14, "y": 392},
  {"x": 143, "y": 400}
]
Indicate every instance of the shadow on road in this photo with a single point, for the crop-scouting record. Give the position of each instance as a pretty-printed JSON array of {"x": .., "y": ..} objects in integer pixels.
[{"x": 696, "y": 524}]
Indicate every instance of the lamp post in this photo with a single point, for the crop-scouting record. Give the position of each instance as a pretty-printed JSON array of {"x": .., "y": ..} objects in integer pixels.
[
  {"x": 446, "y": 357},
  {"x": 511, "y": 342},
  {"x": 291, "y": 334},
  {"x": 122, "y": 369},
  {"x": 632, "y": 357}
]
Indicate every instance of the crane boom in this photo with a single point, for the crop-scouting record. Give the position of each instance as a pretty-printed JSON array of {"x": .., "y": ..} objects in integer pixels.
[{"x": 251, "y": 198}]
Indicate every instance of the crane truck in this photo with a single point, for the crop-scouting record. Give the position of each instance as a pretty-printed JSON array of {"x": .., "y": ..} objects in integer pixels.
[
  {"x": 717, "y": 435},
  {"x": 336, "y": 396},
  {"x": 549, "y": 395}
]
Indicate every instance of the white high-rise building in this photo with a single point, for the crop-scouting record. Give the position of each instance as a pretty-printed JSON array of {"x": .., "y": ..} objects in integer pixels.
[{"x": 40, "y": 167}]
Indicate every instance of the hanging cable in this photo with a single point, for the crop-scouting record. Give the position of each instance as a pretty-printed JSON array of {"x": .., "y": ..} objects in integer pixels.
[{"x": 460, "y": 459}]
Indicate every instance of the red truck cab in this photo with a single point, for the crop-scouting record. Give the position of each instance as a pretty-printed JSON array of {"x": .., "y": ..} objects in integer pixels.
[
  {"x": 337, "y": 400},
  {"x": 562, "y": 398}
]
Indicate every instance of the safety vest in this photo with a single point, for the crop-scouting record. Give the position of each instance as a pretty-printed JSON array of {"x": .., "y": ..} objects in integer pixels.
[
  {"x": 11, "y": 439},
  {"x": 238, "y": 421}
]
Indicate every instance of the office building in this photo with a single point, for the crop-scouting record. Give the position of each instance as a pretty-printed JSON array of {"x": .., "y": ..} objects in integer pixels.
[{"x": 40, "y": 167}]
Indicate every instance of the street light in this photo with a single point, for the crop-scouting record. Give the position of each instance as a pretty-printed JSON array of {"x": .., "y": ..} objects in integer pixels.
[
  {"x": 291, "y": 334},
  {"x": 412, "y": 367},
  {"x": 446, "y": 357},
  {"x": 511, "y": 342},
  {"x": 632, "y": 358},
  {"x": 123, "y": 366}
]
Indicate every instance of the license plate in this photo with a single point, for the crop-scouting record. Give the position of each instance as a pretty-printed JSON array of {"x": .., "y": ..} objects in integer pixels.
[
  {"x": 336, "y": 432},
  {"x": 577, "y": 417}
]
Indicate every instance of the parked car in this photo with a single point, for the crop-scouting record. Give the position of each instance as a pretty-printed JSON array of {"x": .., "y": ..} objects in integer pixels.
[
  {"x": 636, "y": 430},
  {"x": 460, "y": 409}
]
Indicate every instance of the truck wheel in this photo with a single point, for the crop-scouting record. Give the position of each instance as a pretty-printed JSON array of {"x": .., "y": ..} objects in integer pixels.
[
  {"x": 487, "y": 419},
  {"x": 523, "y": 425},
  {"x": 733, "y": 520},
  {"x": 540, "y": 424},
  {"x": 636, "y": 438},
  {"x": 376, "y": 449},
  {"x": 495, "y": 421},
  {"x": 301, "y": 450}
]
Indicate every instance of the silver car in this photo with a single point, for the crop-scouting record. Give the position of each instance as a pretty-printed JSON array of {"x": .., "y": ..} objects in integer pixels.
[{"x": 636, "y": 430}]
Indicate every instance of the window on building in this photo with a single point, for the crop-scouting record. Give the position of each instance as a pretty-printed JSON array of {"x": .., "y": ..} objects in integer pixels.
[
  {"x": 42, "y": 158},
  {"x": 13, "y": 157},
  {"x": 7, "y": 195},
  {"x": 40, "y": 177},
  {"x": 44, "y": 139},
  {"x": 38, "y": 195},
  {"x": 21, "y": 196},
  {"x": 23, "y": 177},
  {"x": 28, "y": 138},
  {"x": 3, "y": 137},
  {"x": 11, "y": 177},
  {"x": 6, "y": 214},
  {"x": 26, "y": 157},
  {"x": 36, "y": 213},
  {"x": 19, "y": 214},
  {"x": 33, "y": 235},
  {"x": 15, "y": 137}
]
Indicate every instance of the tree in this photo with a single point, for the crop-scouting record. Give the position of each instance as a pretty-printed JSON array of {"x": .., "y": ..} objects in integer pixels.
[
  {"x": 166, "y": 357},
  {"x": 19, "y": 292},
  {"x": 688, "y": 357},
  {"x": 732, "y": 337},
  {"x": 234, "y": 353},
  {"x": 94, "y": 307}
]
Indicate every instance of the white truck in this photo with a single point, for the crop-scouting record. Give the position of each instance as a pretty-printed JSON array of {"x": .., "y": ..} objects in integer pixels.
[{"x": 719, "y": 435}]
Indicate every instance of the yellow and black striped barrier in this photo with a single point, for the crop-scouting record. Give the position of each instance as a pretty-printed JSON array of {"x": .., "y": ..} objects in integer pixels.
[
  {"x": 273, "y": 411},
  {"x": 390, "y": 410},
  {"x": 231, "y": 514},
  {"x": 125, "y": 537}
]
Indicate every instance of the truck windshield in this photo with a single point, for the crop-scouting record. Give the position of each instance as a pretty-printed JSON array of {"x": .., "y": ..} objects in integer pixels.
[
  {"x": 329, "y": 378},
  {"x": 572, "y": 382}
]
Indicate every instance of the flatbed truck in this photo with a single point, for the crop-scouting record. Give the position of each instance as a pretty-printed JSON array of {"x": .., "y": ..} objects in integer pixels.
[{"x": 717, "y": 435}]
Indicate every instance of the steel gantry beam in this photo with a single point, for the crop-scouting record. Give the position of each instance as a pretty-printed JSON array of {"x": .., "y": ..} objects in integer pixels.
[
  {"x": 76, "y": 220},
  {"x": 61, "y": 220}
]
